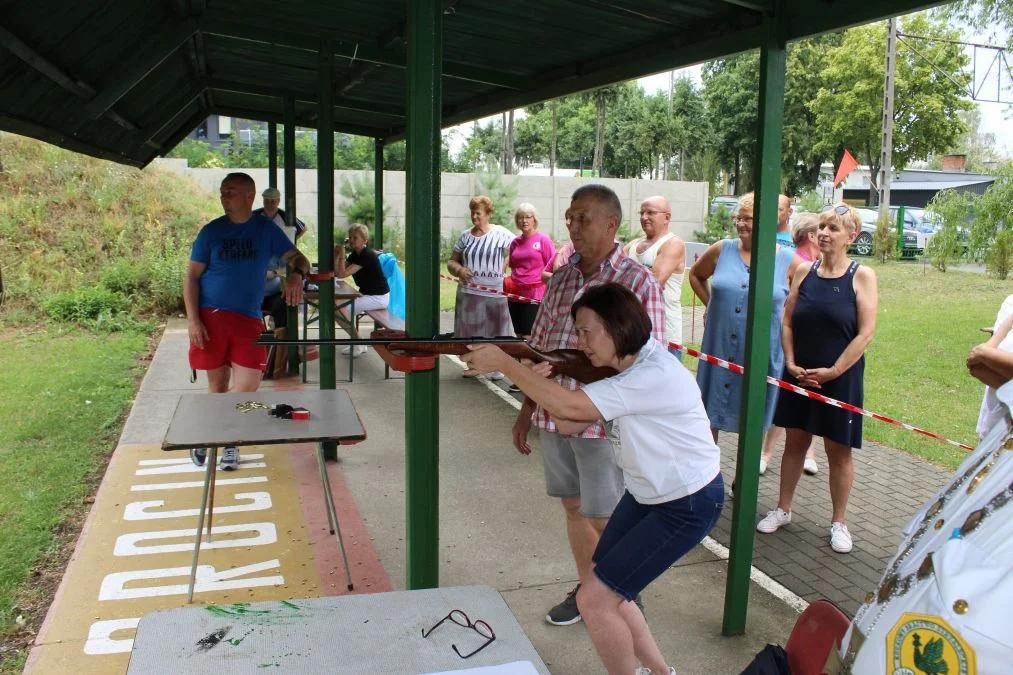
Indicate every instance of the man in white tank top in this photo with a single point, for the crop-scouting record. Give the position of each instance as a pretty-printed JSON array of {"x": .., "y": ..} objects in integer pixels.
[{"x": 665, "y": 255}]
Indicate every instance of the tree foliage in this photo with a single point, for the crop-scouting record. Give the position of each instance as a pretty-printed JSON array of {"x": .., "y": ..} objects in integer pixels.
[
  {"x": 926, "y": 104},
  {"x": 952, "y": 209}
]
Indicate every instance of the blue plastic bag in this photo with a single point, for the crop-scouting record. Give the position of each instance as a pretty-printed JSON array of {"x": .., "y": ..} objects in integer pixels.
[{"x": 395, "y": 280}]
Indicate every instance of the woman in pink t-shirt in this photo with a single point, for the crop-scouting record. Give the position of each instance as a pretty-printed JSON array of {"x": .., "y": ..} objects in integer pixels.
[{"x": 530, "y": 252}]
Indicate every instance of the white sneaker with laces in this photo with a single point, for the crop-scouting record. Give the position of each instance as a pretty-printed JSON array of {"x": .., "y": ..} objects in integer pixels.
[
  {"x": 773, "y": 521},
  {"x": 840, "y": 538},
  {"x": 810, "y": 466},
  {"x": 763, "y": 466},
  {"x": 495, "y": 376}
]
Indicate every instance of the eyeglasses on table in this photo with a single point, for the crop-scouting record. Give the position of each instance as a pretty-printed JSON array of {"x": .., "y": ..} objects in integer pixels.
[{"x": 462, "y": 620}]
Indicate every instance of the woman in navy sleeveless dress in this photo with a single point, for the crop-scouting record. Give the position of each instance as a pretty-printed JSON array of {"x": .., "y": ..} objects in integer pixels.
[{"x": 829, "y": 319}]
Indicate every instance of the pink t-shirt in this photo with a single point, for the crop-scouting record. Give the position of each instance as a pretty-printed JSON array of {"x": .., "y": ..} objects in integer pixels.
[{"x": 528, "y": 257}]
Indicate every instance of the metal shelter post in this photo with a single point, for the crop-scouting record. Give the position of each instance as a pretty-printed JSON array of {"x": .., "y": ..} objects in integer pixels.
[
  {"x": 424, "y": 100},
  {"x": 325, "y": 222},
  {"x": 272, "y": 154},
  {"x": 288, "y": 138},
  {"x": 378, "y": 193},
  {"x": 761, "y": 284}
]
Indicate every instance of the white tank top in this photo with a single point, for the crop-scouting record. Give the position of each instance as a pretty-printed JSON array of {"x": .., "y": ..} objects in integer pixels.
[{"x": 672, "y": 292}]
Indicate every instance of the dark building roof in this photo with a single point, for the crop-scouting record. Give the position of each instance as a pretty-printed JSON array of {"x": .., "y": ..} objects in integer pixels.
[{"x": 127, "y": 79}]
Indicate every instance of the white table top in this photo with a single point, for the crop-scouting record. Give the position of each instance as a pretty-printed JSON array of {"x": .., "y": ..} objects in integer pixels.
[
  {"x": 355, "y": 634},
  {"x": 212, "y": 420}
]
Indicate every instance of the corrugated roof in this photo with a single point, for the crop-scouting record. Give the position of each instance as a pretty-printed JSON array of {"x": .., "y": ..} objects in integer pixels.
[
  {"x": 127, "y": 79},
  {"x": 900, "y": 186}
]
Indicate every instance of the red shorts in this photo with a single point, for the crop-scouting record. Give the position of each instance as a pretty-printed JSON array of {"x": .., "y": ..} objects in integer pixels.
[{"x": 231, "y": 339}]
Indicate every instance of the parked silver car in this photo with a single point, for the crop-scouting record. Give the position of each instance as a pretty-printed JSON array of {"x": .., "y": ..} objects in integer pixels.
[{"x": 863, "y": 244}]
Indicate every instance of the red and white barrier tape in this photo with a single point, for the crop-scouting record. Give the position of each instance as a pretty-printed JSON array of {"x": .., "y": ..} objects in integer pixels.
[
  {"x": 736, "y": 368},
  {"x": 511, "y": 296}
]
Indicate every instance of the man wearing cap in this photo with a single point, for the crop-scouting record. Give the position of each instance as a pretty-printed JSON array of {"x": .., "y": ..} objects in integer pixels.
[
  {"x": 274, "y": 301},
  {"x": 223, "y": 289},
  {"x": 272, "y": 199}
]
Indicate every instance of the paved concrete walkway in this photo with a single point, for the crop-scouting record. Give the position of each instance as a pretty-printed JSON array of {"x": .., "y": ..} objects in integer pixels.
[{"x": 497, "y": 527}]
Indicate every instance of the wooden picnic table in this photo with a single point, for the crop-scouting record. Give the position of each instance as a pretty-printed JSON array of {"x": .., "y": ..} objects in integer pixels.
[{"x": 344, "y": 299}]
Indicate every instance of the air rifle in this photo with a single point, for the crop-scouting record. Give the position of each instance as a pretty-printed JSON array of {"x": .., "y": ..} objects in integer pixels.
[{"x": 569, "y": 362}]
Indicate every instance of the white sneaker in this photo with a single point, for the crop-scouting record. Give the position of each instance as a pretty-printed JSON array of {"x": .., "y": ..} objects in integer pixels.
[
  {"x": 647, "y": 671},
  {"x": 840, "y": 538},
  {"x": 230, "y": 459},
  {"x": 763, "y": 466},
  {"x": 810, "y": 466},
  {"x": 495, "y": 376},
  {"x": 347, "y": 350},
  {"x": 359, "y": 350},
  {"x": 773, "y": 521}
]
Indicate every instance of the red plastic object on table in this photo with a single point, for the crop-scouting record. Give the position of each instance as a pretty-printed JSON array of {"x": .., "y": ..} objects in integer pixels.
[
  {"x": 320, "y": 276},
  {"x": 402, "y": 361}
]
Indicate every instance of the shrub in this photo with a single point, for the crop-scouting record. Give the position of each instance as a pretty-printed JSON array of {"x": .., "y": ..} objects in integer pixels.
[
  {"x": 503, "y": 193},
  {"x": 999, "y": 257},
  {"x": 360, "y": 206},
  {"x": 125, "y": 277},
  {"x": 716, "y": 227},
  {"x": 447, "y": 244},
  {"x": 87, "y": 303},
  {"x": 165, "y": 264},
  {"x": 884, "y": 243},
  {"x": 952, "y": 208},
  {"x": 810, "y": 202},
  {"x": 393, "y": 240}
]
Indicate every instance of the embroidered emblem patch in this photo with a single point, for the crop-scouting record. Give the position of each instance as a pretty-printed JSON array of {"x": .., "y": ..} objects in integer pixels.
[
  {"x": 921, "y": 644},
  {"x": 537, "y": 245}
]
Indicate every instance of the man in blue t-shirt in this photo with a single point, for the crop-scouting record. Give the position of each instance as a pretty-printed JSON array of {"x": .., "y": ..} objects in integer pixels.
[{"x": 223, "y": 289}]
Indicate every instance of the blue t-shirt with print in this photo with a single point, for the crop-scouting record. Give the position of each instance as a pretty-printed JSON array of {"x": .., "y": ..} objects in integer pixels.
[
  {"x": 237, "y": 257},
  {"x": 784, "y": 239}
]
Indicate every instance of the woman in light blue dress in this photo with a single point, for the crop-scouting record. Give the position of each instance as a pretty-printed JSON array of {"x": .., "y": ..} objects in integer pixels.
[{"x": 725, "y": 265}]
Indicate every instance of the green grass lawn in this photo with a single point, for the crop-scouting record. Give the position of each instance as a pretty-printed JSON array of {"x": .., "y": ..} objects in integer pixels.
[{"x": 63, "y": 395}]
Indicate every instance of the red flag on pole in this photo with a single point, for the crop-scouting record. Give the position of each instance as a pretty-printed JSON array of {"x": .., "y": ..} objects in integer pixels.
[{"x": 848, "y": 164}]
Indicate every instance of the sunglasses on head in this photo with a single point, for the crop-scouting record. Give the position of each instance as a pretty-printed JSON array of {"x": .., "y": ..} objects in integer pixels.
[{"x": 842, "y": 209}]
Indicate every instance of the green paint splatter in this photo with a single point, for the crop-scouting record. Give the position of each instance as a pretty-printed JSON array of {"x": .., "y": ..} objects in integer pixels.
[
  {"x": 269, "y": 665},
  {"x": 290, "y": 605}
]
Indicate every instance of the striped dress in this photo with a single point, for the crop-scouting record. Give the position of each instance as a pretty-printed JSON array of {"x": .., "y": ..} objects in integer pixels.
[{"x": 479, "y": 313}]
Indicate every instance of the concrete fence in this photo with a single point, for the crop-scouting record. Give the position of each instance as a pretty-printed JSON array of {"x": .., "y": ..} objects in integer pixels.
[{"x": 550, "y": 195}]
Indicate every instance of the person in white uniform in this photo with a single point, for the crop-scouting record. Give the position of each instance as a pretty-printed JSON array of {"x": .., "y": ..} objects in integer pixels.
[
  {"x": 665, "y": 255},
  {"x": 943, "y": 603},
  {"x": 670, "y": 464},
  {"x": 992, "y": 408}
]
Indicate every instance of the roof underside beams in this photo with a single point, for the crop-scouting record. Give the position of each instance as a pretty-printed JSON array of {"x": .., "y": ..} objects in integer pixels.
[{"x": 126, "y": 79}]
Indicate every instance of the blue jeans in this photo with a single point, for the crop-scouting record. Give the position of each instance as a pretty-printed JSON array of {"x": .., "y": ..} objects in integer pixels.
[{"x": 641, "y": 541}]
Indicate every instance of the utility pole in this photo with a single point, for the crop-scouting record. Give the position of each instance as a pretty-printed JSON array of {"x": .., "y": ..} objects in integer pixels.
[
  {"x": 886, "y": 151},
  {"x": 668, "y": 153}
]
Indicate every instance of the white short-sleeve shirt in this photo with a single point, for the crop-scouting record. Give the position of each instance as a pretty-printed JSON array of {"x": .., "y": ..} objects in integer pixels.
[{"x": 667, "y": 449}]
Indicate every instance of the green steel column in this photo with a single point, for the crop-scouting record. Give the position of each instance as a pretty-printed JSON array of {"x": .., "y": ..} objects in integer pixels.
[
  {"x": 272, "y": 154},
  {"x": 761, "y": 284},
  {"x": 422, "y": 389},
  {"x": 378, "y": 193},
  {"x": 289, "y": 164},
  {"x": 325, "y": 219}
]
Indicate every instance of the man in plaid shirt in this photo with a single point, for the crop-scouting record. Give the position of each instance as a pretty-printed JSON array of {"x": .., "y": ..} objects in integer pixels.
[{"x": 581, "y": 470}]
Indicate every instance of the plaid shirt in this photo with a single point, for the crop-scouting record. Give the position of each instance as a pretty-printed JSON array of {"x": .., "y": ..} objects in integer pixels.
[{"x": 554, "y": 329}]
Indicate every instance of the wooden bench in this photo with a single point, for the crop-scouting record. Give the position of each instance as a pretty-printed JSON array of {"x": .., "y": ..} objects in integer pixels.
[{"x": 383, "y": 319}]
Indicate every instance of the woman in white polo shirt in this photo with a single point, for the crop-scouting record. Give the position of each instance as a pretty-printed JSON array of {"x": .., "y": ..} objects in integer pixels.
[{"x": 670, "y": 463}]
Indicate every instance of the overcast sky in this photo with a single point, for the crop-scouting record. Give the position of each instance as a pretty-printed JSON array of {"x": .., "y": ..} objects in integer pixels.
[{"x": 995, "y": 117}]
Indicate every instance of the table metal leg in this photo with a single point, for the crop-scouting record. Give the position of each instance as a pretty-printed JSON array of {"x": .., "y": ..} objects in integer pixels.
[
  {"x": 351, "y": 351},
  {"x": 212, "y": 457},
  {"x": 332, "y": 513},
  {"x": 210, "y": 461},
  {"x": 305, "y": 335}
]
